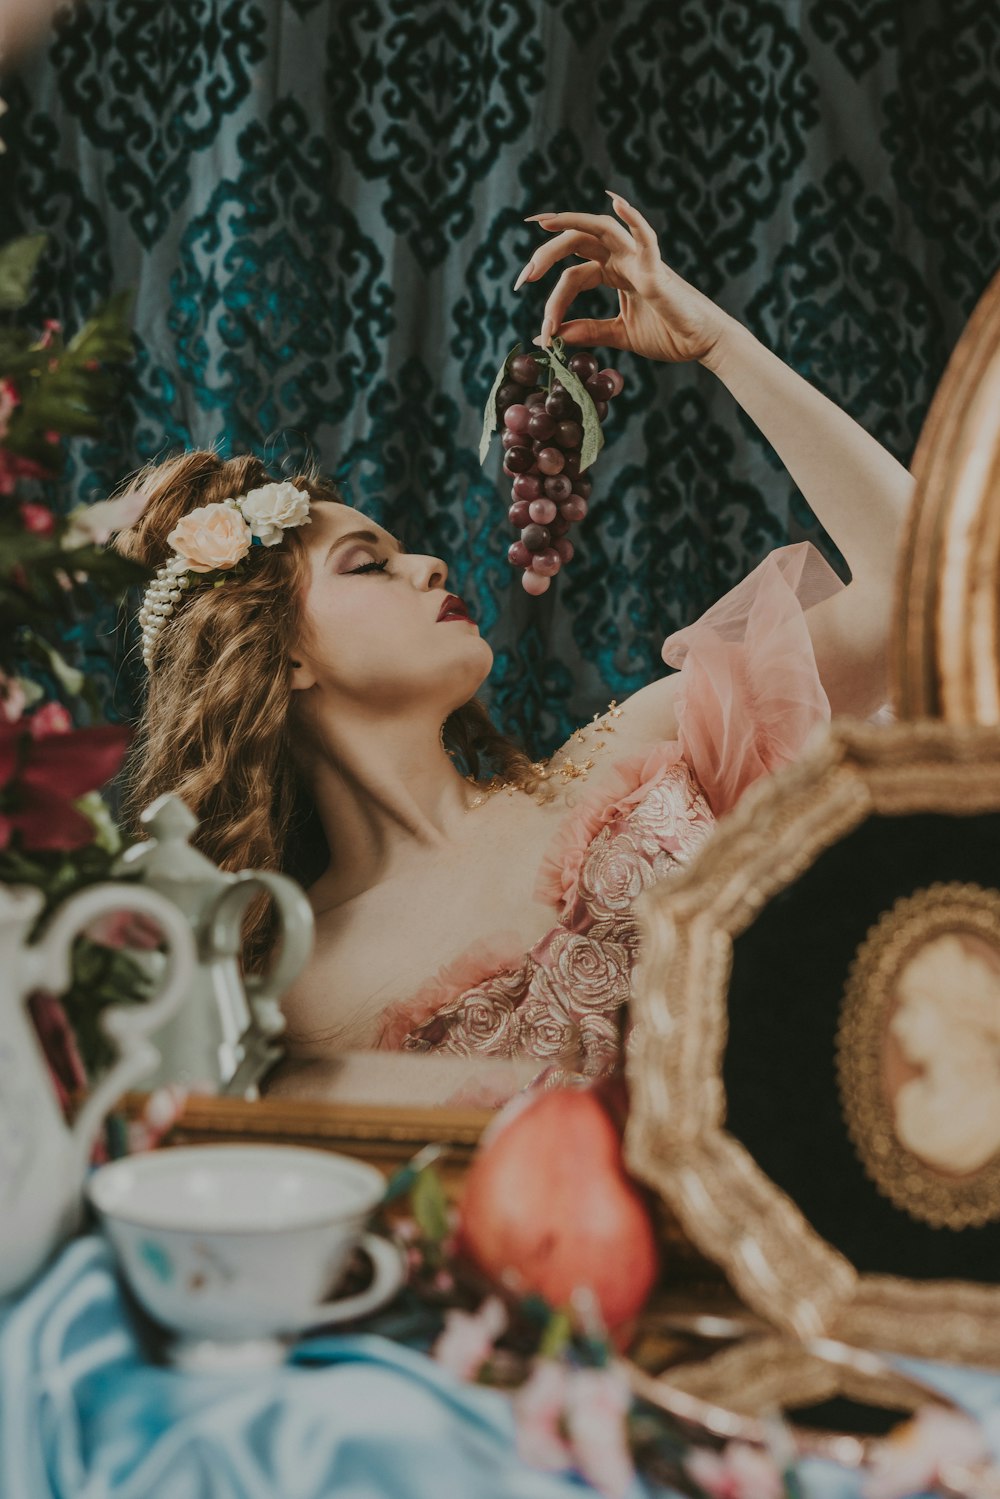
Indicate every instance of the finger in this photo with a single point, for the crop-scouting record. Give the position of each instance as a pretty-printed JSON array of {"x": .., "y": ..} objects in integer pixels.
[
  {"x": 598, "y": 333},
  {"x": 547, "y": 255},
  {"x": 574, "y": 280},
  {"x": 600, "y": 226},
  {"x": 642, "y": 232}
]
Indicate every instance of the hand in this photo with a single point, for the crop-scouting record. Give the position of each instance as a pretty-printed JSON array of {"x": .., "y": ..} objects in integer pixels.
[{"x": 660, "y": 315}]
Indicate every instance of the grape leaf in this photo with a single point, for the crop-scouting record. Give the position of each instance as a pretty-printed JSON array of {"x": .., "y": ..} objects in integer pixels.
[
  {"x": 429, "y": 1205},
  {"x": 18, "y": 260},
  {"x": 490, "y": 413},
  {"x": 593, "y": 436}
]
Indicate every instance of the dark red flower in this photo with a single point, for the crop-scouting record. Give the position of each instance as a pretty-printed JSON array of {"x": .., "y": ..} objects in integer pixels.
[
  {"x": 42, "y": 777},
  {"x": 37, "y": 518}
]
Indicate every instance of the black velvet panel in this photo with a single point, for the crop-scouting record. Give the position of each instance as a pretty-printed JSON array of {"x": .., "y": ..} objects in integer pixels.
[{"x": 789, "y": 971}]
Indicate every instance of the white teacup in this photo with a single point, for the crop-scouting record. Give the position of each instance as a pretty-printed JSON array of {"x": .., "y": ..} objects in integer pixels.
[{"x": 239, "y": 1242}]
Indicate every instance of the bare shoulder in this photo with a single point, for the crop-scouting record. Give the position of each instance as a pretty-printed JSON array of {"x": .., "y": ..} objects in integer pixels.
[{"x": 646, "y": 718}]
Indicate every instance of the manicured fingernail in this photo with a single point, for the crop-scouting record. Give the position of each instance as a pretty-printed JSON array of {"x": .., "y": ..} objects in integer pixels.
[
  {"x": 534, "y": 217},
  {"x": 526, "y": 274}
]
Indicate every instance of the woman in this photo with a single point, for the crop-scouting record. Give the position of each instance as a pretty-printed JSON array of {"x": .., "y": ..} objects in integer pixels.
[{"x": 331, "y": 674}]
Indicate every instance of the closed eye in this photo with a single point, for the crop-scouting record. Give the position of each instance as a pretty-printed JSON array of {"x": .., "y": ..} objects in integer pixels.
[{"x": 371, "y": 567}]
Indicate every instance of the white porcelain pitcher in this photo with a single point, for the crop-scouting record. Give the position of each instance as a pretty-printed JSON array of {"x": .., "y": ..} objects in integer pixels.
[
  {"x": 228, "y": 1036},
  {"x": 43, "y": 1161}
]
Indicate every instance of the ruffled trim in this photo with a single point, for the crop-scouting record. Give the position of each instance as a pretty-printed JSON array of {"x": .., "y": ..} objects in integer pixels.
[
  {"x": 484, "y": 959},
  {"x": 629, "y": 782}
]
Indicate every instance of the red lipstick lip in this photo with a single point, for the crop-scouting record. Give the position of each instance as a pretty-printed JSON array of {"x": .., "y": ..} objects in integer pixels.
[{"x": 453, "y": 608}]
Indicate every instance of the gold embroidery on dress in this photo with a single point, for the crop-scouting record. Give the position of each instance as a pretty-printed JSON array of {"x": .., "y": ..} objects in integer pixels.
[{"x": 568, "y": 770}]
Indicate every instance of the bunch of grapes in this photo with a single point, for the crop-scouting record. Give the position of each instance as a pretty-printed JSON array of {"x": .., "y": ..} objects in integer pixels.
[{"x": 544, "y": 442}]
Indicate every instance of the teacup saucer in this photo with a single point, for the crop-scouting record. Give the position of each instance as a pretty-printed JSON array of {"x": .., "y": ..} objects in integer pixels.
[{"x": 386, "y": 1273}]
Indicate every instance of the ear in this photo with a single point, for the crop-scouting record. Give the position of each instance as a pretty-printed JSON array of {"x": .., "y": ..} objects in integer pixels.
[{"x": 303, "y": 677}]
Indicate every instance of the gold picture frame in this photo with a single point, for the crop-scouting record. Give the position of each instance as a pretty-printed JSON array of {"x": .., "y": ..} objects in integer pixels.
[
  {"x": 945, "y": 659},
  {"x": 677, "y": 1139}
]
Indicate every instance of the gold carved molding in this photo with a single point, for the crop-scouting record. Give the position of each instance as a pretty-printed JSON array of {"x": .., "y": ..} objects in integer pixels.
[
  {"x": 676, "y": 1139},
  {"x": 945, "y": 658}
]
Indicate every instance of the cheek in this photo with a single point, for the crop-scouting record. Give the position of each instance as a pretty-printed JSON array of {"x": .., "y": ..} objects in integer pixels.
[{"x": 362, "y": 636}]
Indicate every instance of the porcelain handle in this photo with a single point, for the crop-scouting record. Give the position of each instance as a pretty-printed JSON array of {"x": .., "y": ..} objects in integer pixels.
[
  {"x": 128, "y": 1026},
  {"x": 388, "y": 1276},
  {"x": 224, "y": 938}
]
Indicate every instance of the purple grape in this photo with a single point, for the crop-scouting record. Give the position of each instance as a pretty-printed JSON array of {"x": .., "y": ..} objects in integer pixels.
[
  {"x": 583, "y": 366},
  {"x": 617, "y": 382},
  {"x": 601, "y": 407},
  {"x": 535, "y": 537},
  {"x": 519, "y": 515},
  {"x": 558, "y": 404},
  {"x": 572, "y": 465},
  {"x": 517, "y": 417},
  {"x": 601, "y": 387},
  {"x": 518, "y": 460},
  {"x": 507, "y": 395},
  {"x": 582, "y": 486},
  {"x": 534, "y": 400},
  {"x": 547, "y": 563},
  {"x": 558, "y": 487},
  {"x": 569, "y": 434},
  {"x": 518, "y": 554},
  {"x": 574, "y": 509},
  {"x": 511, "y": 440},
  {"x": 565, "y": 548},
  {"x": 541, "y": 425},
  {"x": 527, "y": 487},
  {"x": 534, "y": 583},
  {"x": 523, "y": 369},
  {"x": 549, "y": 461},
  {"x": 543, "y": 511},
  {"x": 559, "y": 527}
]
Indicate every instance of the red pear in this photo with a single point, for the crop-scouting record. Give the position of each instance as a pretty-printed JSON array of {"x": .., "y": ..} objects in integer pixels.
[{"x": 547, "y": 1205}]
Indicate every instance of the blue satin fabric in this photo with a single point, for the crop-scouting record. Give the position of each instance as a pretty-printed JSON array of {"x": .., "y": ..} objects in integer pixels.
[{"x": 84, "y": 1415}]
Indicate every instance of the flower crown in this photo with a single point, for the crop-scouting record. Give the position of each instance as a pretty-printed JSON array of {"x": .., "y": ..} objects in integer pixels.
[{"x": 215, "y": 538}]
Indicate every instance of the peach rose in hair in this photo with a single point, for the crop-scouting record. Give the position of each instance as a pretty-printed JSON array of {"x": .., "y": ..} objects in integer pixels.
[{"x": 215, "y": 536}]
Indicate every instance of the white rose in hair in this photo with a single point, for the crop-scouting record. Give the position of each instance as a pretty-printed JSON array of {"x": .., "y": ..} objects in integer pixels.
[
  {"x": 273, "y": 508},
  {"x": 214, "y": 536}
]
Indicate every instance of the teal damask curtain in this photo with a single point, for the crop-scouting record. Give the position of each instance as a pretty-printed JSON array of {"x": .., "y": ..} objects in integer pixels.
[{"x": 319, "y": 204}]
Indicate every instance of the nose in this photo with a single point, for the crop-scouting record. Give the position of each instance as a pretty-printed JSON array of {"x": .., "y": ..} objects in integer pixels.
[{"x": 431, "y": 572}]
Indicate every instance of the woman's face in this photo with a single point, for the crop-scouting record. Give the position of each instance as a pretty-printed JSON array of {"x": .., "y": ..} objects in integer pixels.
[{"x": 372, "y": 635}]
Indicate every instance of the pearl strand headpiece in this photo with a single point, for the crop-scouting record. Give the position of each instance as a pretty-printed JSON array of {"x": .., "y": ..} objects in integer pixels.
[{"x": 214, "y": 539}]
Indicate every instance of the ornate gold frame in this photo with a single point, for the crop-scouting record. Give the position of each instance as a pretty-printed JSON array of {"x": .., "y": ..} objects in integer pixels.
[
  {"x": 946, "y": 653},
  {"x": 676, "y": 1138},
  {"x": 907, "y": 1180}
]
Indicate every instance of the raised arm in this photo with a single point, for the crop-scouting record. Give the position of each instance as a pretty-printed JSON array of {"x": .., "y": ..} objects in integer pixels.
[{"x": 857, "y": 490}]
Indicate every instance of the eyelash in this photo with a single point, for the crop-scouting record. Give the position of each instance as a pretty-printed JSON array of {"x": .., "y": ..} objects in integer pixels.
[{"x": 371, "y": 567}]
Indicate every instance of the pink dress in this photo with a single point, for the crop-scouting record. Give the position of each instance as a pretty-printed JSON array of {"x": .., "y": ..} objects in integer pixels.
[{"x": 749, "y": 696}]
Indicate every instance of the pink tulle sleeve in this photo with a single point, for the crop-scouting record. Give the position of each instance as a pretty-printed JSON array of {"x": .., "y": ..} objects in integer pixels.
[{"x": 750, "y": 693}]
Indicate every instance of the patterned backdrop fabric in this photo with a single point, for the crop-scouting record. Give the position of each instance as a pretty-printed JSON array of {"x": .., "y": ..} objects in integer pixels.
[{"x": 320, "y": 203}]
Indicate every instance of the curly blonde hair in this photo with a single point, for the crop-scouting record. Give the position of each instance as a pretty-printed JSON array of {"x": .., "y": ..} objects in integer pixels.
[{"x": 218, "y": 727}]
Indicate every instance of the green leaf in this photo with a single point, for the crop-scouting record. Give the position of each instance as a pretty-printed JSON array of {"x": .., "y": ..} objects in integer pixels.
[
  {"x": 557, "y": 1334},
  {"x": 490, "y": 412},
  {"x": 593, "y": 436},
  {"x": 18, "y": 262},
  {"x": 429, "y": 1206},
  {"x": 69, "y": 678}
]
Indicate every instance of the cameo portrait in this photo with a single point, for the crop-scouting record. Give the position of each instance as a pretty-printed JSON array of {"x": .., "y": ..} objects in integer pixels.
[{"x": 918, "y": 1055}]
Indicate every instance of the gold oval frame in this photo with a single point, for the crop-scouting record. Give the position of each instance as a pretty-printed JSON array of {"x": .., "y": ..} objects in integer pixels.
[
  {"x": 945, "y": 655},
  {"x": 909, "y": 1182},
  {"x": 676, "y": 1140}
]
